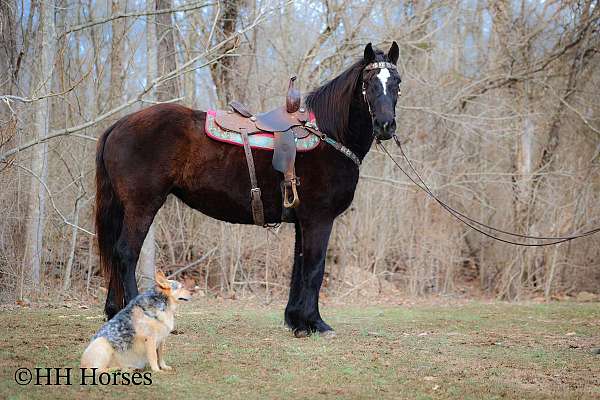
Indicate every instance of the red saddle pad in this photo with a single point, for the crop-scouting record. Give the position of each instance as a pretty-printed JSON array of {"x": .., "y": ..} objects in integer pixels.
[{"x": 262, "y": 140}]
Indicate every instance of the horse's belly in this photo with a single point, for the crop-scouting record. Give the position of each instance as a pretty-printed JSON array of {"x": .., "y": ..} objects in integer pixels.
[
  {"x": 217, "y": 205},
  {"x": 217, "y": 183}
]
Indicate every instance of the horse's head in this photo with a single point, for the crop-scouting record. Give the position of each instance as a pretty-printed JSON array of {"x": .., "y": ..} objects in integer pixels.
[{"x": 381, "y": 88}]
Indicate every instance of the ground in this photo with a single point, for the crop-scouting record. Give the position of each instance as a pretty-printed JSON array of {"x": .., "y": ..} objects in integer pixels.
[{"x": 233, "y": 350}]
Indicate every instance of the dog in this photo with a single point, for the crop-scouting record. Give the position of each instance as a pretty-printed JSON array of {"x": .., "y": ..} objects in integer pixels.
[{"x": 136, "y": 335}]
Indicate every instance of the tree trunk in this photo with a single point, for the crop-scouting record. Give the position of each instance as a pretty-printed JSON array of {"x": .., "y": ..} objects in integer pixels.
[
  {"x": 73, "y": 247},
  {"x": 223, "y": 72},
  {"x": 189, "y": 78},
  {"x": 166, "y": 56},
  {"x": 8, "y": 49},
  {"x": 117, "y": 50},
  {"x": 39, "y": 163},
  {"x": 8, "y": 70},
  {"x": 147, "y": 260}
]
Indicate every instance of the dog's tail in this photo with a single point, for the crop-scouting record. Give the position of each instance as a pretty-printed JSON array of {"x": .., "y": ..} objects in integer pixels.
[{"x": 109, "y": 221}]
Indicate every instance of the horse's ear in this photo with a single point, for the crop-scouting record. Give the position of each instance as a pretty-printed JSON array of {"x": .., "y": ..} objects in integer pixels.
[
  {"x": 369, "y": 54},
  {"x": 394, "y": 53}
]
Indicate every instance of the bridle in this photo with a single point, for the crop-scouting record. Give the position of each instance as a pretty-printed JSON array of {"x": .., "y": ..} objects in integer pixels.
[{"x": 370, "y": 67}]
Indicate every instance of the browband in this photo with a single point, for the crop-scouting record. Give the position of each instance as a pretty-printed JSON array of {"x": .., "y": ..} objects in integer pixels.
[{"x": 380, "y": 64}]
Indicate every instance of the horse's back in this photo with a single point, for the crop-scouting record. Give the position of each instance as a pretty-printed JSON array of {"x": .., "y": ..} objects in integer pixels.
[{"x": 146, "y": 151}]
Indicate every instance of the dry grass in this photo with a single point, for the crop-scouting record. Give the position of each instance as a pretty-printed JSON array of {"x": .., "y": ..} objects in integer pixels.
[{"x": 235, "y": 350}]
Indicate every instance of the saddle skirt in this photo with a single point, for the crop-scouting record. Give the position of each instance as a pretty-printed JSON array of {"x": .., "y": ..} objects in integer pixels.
[{"x": 261, "y": 140}]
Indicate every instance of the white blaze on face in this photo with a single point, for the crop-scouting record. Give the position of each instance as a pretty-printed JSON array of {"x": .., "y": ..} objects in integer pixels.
[{"x": 383, "y": 76}]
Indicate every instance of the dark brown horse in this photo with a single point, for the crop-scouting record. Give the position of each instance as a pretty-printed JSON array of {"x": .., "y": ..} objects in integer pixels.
[{"x": 164, "y": 150}]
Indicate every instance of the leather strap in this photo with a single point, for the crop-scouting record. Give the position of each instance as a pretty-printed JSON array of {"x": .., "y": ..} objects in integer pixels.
[
  {"x": 240, "y": 108},
  {"x": 380, "y": 65},
  {"x": 344, "y": 150},
  {"x": 336, "y": 145},
  {"x": 257, "y": 206}
]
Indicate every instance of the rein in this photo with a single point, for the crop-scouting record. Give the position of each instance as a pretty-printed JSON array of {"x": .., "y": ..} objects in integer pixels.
[{"x": 470, "y": 222}]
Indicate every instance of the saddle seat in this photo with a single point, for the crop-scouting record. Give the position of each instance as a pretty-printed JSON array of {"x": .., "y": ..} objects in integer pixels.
[
  {"x": 281, "y": 119},
  {"x": 277, "y": 120}
]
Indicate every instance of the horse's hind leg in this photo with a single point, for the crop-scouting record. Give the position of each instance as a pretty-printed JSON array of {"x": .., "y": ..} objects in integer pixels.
[
  {"x": 111, "y": 307},
  {"x": 136, "y": 224}
]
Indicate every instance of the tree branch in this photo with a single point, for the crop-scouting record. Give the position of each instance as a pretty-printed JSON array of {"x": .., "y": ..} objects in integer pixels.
[{"x": 195, "y": 6}]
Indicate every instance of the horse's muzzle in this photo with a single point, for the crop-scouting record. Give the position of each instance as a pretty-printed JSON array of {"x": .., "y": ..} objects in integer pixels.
[{"x": 384, "y": 130}]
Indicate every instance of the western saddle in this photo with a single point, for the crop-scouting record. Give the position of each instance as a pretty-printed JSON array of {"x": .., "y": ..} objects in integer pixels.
[{"x": 286, "y": 123}]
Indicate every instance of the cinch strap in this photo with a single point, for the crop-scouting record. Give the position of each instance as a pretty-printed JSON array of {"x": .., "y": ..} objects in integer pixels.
[{"x": 257, "y": 206}]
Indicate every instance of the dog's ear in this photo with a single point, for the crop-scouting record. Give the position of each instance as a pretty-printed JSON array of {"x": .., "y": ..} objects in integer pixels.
[{"x": 162, "y": 281}]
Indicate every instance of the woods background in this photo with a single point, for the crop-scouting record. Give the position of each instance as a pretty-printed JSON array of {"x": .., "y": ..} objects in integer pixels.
[{"x": 500, "y": 113}]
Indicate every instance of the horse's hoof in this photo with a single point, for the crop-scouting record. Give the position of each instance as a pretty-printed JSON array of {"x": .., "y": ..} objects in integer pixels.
[
  {"x": 301, "y": 333},
  {"x": 328, "y": 334}
]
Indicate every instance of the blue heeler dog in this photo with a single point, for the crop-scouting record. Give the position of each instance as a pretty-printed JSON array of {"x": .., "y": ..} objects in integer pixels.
[{"x": 136, "y": 335}]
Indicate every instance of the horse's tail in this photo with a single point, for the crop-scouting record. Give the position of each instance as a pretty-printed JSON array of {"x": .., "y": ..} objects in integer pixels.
[{"x": 109, "y": 221}]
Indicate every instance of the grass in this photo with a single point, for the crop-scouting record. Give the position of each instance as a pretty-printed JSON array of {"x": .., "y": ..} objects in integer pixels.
[{"x": 236, "y": 351}]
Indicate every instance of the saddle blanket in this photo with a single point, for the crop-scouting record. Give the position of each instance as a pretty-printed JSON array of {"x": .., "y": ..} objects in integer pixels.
[{"x": 262, "y": 140}]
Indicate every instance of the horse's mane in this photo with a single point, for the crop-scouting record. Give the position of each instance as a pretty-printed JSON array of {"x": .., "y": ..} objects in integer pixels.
[{"x": 331, "y": 102}]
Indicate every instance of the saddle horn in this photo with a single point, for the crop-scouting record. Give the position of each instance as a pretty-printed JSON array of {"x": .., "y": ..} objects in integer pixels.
[{"x": 292, "y": 101}]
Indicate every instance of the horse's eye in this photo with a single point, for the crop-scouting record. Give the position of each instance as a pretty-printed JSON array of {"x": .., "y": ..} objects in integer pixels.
[{"x": 399, "y": 92}]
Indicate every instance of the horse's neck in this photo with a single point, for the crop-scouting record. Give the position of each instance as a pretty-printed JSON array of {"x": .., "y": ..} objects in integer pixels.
[{"x": 359, "y": 135}]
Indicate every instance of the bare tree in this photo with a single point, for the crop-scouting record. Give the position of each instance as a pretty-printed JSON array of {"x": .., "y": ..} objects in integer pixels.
[
  {"x": 8, "y": 47},
  {"x": 39, "y": 163},
  {"x": 223, "y": 72},
  {"x": 147, "y": 261},
  {"x": 166, "y": 56},
  {"x": 117, "y": 71}
]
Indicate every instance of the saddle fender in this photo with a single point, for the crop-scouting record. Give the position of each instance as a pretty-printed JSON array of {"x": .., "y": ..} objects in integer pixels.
[{"x": 284, "y": 154}]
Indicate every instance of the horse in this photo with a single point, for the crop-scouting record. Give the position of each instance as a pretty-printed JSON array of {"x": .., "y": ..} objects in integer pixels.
[{"x": 163, "y": 149}]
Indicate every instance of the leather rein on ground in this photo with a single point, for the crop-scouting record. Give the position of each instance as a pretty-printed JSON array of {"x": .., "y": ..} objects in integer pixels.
[{"x": 470, "y": 222}]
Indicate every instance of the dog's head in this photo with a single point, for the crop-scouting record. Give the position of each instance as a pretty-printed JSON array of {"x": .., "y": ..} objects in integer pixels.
[{"x": 172, "y": 289}]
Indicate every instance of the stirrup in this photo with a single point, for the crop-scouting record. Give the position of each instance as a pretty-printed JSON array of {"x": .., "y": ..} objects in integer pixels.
[{"x": 295, "y": 199}]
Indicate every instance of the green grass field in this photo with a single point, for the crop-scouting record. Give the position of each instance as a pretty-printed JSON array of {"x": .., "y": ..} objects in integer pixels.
[{"x": 237, "y": 351}]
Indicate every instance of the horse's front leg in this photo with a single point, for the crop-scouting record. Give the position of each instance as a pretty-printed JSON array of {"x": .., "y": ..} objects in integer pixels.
[{"x": 302, "y": 312}]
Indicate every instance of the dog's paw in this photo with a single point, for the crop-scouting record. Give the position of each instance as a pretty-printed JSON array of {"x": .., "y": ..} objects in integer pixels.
[{"x": 166, "y": 367}]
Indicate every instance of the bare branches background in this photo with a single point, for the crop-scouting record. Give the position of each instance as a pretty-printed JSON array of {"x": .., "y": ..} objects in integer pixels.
[{"x": 500, "y": 111}]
